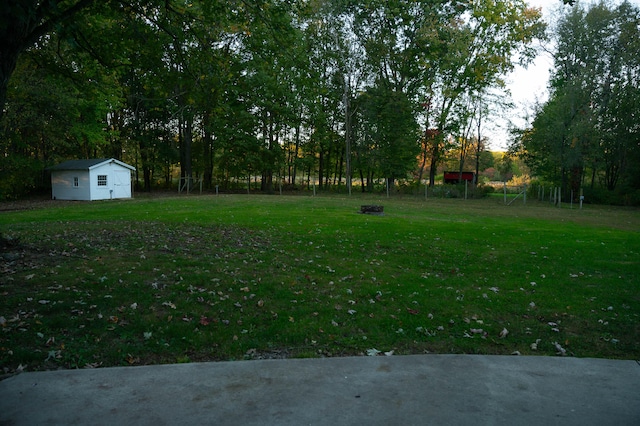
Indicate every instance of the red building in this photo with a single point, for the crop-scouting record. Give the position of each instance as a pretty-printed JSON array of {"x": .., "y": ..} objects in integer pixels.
[{"x": 456, "y": 177}]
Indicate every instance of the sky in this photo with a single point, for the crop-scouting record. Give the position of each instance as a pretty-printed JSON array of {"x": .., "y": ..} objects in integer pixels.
[{"x": 528, "y": 85}]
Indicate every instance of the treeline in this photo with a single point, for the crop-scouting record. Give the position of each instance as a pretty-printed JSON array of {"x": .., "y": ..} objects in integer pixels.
[
  {"x": 334, "y": 91},
  {"x": 586, "y": 137},
  {"x": 330, "y": 91}
]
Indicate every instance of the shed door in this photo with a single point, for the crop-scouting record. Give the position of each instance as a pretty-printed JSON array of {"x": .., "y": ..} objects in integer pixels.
[{"x": 122, "y": 184}]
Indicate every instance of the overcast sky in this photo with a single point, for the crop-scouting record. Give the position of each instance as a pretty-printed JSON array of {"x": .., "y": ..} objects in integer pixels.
[{"x": 529, "y": 85}]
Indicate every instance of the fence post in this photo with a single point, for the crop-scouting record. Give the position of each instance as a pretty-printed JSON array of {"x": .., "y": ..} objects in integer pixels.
[
  {"x": 525, "y": 194},
  {"x": 505, "y": 192},
  {"x": 466, "y": 186},
  {"x": 559, "y": 197},
  {"x": 571, "y": 199}
]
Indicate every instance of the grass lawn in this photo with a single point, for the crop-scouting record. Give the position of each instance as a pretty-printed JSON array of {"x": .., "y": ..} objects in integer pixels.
[{"x": 194, "y": 278}]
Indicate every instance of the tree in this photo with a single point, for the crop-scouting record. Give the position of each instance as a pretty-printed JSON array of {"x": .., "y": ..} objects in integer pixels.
[
  {"x": 480, "y": 46},
  {"x": 57, "y": 107},
  {"x": 22, "y": 24},
  {"x": 586, "y": 130},
  {"x": 387, "y": 135},
  {"x": 226, "y": 89}
]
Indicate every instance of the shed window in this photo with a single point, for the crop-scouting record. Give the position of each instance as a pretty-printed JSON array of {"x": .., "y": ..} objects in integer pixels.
[
  {"x": 102, "y": 180},
  {"x": 76, "y": 182}
]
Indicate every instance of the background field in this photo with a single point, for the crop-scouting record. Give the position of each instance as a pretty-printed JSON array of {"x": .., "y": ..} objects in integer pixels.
[{"x": 161, "y": 280}]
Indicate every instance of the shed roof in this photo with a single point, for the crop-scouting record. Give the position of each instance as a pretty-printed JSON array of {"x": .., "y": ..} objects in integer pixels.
[{"x": 88, "y": 164}]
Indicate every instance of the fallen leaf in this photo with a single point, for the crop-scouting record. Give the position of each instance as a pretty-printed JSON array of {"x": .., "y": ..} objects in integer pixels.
[
  {"x": 504, "y": 333},
  {"x": 561, "y": 351}
]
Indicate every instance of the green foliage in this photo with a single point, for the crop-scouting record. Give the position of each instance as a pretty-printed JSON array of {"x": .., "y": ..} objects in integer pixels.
[
  {"x": 21, "y": 177},
  {"x": 388, "y": 133},
  {"x": 586, "y": 132},
  {"x": 228, "y": 89}
]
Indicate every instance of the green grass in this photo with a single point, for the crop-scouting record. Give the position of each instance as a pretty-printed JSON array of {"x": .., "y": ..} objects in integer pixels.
[{"x": 163, "y": 280}]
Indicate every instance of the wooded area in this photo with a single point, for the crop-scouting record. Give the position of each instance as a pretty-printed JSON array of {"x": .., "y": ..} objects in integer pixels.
[
  {"x": 587, "y": 135},
  {"x": 294, "y": 91}
]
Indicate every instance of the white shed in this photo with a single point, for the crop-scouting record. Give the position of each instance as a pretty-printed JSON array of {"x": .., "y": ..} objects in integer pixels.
[{"x": 97, "y": 179}]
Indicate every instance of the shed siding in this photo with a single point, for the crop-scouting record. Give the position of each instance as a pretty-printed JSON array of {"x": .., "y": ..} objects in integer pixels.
[
  {"x": 110, "y": 190},
  {"x": 62, "y": 185}
]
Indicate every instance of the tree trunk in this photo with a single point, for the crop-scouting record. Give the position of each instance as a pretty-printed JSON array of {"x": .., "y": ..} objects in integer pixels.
[
  {"x": 8, "y": 62},
  {"x": 434, "y": 164},
  {"x": 186, "y": 172},
  {"x": 320, "y": 165},
  {"x": 340, "y": 167}
]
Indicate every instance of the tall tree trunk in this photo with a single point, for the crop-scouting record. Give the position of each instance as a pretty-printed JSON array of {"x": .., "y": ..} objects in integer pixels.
[
  {"x": 327, "y": 177},
  {"x": 186, "y": 139},
  {"x": 268, "y": 159},
  {"x": 208, "y": 152},
  {"x": 8, "y": 62},
  {"x": 340, "y": 167},
  {"x": 478, "y": 152},
  {"x": 320, "y": 165},
  {"x": 435, "y": 154},
  {"x": 146, "y": 158}
]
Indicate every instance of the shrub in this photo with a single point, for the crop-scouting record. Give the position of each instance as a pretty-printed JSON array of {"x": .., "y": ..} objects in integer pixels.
[{"x": 20, "y": 176}]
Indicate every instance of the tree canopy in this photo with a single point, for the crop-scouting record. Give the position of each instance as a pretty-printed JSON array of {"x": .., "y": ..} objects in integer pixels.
[
  {"x": 587, "y": 135},
  {"x": 226, "y": 91}
]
